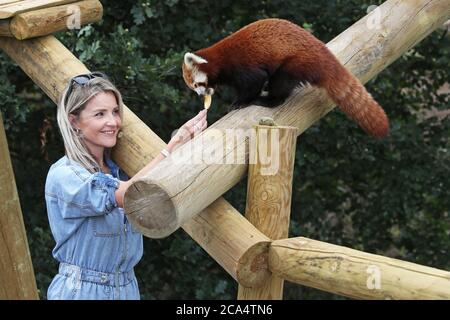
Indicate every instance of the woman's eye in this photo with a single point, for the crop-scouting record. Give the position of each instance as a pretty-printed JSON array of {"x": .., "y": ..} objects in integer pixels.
[{"x": 99, "y": 114}]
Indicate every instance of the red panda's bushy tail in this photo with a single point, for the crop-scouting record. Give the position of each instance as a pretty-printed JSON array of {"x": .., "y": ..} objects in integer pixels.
[{"x": 353, "y": 99}]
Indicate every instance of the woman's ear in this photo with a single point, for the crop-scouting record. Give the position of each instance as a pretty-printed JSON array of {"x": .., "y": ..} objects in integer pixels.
[{"x": 73, "y": 121}]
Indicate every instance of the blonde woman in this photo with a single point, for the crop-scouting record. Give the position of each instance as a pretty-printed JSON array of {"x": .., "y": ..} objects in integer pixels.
[{"x": 96, "y": 245}]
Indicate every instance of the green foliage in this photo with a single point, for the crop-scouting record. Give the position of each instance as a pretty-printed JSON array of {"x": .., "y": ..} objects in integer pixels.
[
  {"x": 13, "y": 106},
  {"x": 388, "y": 197}
]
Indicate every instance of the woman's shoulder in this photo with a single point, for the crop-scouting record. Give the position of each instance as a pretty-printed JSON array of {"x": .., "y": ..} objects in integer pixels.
[{"x": 65, "y": 170}]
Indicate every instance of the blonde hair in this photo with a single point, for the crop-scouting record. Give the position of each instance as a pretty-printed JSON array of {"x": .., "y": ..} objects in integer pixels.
[{"x": 73, "y": 100}]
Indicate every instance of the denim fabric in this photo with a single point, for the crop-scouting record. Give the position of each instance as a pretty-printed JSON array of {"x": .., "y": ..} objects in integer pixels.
[{"x": 92, "y": 233}]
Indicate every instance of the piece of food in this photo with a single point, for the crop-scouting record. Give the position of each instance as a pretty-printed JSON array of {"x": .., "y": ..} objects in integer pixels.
[{"x": 207, "y": 101}]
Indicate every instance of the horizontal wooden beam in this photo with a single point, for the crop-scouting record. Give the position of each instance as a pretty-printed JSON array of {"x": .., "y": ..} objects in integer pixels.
[
  {"x": 355, "y": 273},
  {"x": 180, "y": 187},
  {"x": 12, "y": 8},
  {"x": 46, "y": 21}
]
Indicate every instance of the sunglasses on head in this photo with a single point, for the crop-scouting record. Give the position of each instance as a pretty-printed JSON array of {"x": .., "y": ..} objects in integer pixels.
[{"x": 82, "y": 79}]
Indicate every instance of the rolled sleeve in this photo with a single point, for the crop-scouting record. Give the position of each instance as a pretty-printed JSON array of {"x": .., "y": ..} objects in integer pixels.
[
  {"x": 108, "y": 184},
  {"x": 81, "y": 194}
]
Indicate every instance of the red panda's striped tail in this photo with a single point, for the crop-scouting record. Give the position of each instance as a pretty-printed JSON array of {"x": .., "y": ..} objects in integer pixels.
[{"x": 351, "y": 96}]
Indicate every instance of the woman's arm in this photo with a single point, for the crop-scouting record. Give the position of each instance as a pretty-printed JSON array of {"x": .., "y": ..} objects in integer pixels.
[{"x": 186, "y": 132}]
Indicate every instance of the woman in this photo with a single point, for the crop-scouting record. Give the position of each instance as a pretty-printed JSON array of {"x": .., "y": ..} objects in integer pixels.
[{"x": 96, "y": 245}]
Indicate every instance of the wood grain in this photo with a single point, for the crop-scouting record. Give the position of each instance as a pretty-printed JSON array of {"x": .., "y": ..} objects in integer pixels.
[
  {"x": 355, "y": 273},
  {"x": 269, "y": 195},
  {"x": 17, "y": 279},
  {"x": 11, "y": 8}
]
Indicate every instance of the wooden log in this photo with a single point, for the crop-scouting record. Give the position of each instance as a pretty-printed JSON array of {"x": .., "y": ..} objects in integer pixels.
[
  {"x": 49, "y": 20},
  {"x": 17, "y": 279},
  {"x": 220, "y": 229},
  {"x": 4, "y": 28},
  {"x": 5, "y": 2},
  {"x": 355, "y": 273},
  {"x": 11, "y": 8},
  {"x": 175, "y": 191},
  {"x": 269, "y": 195}
]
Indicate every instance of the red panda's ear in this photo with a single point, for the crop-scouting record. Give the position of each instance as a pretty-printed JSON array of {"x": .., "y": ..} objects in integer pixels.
[{"x": 191, "y": 60}]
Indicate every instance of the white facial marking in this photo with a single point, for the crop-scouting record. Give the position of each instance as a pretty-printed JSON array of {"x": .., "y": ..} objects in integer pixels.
[{"x": 199, "y": 77}]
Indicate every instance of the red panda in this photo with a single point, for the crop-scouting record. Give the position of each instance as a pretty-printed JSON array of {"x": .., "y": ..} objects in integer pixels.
[{"x": 281, "y": 55}]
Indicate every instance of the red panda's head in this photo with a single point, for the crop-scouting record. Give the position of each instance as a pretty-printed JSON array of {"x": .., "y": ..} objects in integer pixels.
[{"x": 196, "y": 79}]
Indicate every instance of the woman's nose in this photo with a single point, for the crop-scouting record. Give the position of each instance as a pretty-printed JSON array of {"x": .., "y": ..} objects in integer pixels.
[{"x": 112, "y": 120}]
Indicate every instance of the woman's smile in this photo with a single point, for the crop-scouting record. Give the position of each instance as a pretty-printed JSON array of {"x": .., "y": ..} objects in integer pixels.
[{"x": 99, "y": 123}]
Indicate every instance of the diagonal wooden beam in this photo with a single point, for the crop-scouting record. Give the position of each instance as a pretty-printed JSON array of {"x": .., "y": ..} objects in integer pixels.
[{"x": 181, "y": 187}]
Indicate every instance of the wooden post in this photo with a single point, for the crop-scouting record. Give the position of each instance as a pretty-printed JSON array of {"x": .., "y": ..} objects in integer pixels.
[
  {"x": 269, "y": 194},
  {"x": 355, "y": 273},
  {"x": 220, "y": 229},
  {"x": 175, "y": 191},
  {"x": 49, "y": 20},
  {"x": 16, "y": 269}
]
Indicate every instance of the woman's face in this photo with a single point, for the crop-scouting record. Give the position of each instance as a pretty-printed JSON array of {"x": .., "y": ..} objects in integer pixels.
[{"x": 99, "y": 122}]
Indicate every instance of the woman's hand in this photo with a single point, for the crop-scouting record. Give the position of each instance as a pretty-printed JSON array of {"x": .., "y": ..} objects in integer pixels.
[{"x": 188, "y": 130}]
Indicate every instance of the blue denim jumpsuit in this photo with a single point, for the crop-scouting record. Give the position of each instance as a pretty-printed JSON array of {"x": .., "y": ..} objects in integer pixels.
[{"x": 95, "y": 243}]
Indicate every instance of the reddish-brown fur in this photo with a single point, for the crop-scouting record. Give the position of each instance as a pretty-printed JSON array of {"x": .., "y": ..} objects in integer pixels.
[{"x": 285, "y": 55}]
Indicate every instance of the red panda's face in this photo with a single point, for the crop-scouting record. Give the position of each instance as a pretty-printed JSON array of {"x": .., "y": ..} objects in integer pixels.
[
  {"x": 195, "y": 79},
  {"x": 187, "y": 76}
]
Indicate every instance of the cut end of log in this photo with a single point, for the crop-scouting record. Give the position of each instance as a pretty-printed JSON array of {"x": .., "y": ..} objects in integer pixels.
[
  {"x": 253, "y": 267},
  {"x": 150, "y": 210}
]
